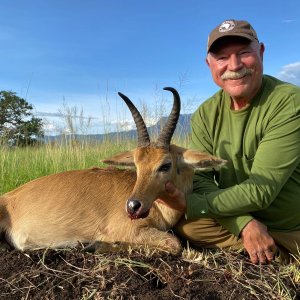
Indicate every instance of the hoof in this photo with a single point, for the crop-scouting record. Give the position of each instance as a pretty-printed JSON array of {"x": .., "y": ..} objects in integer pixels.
[{"x": 4, "y": 246}]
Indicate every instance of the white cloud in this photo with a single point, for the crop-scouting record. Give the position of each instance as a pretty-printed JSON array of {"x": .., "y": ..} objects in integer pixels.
[
  {"x": 128, "y": 124},
  {"x": 60, "y": 115},
  {"x": 51, "y": 128},
  {"x": 48, "y": 114},
  {"x": 288, "y": 21},
  {"x": 290, "y": 73},
  {"x": 124, "y": 125}
]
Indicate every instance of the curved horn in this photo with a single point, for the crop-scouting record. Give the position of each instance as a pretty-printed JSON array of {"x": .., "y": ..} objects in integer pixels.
[
  {"x": 165, "y": 136},
  {"x": 143, "y": 136}
]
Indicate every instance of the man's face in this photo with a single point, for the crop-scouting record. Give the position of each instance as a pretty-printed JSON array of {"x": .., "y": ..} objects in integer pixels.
[{"x": 236, "y": 66}]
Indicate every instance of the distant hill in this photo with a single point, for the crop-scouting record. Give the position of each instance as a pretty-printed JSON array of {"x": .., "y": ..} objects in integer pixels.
[{"x": 182, "y": 129}]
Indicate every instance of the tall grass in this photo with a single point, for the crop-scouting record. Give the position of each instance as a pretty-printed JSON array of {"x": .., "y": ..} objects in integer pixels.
[{"x": 20, "y": 165}]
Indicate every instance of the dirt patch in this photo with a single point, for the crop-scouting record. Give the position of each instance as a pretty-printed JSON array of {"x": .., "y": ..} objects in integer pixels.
[{"x": 73, "y": 274}]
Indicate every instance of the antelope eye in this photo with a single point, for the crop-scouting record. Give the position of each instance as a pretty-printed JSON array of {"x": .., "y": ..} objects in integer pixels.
[{"x": 165, "y": 167}]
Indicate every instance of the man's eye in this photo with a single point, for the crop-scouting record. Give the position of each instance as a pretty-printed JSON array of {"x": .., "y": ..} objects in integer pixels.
[
  {"x": 165, "y": 167},
  {"x": 221, "y": 59},
  {"x": 245, "y": 52}
]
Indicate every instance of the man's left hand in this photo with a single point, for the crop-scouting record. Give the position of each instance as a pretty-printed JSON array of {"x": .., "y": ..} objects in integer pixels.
[
  {"x": 174, "y": 198},
  {"x": 258, "y": 242}
]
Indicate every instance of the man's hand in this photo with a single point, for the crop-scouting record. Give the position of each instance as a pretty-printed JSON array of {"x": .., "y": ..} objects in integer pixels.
[
  {"x": 258, "y": 243},
  {"x": 174, "y": 198}
]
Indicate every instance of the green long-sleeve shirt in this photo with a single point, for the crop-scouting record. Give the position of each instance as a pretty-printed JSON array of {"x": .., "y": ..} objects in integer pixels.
[{"x": 262, "y": 146}]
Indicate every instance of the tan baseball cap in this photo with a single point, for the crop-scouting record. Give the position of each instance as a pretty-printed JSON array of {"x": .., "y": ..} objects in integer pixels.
[{"x": 232, "y": 28}]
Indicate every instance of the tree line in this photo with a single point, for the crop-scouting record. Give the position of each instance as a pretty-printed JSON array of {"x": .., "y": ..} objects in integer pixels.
[{"x": 18, "y": 125}]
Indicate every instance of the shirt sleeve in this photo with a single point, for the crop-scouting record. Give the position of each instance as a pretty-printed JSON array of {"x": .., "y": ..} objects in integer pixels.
[
  {"x": 204, "y": 183},
  {"x": 276, "y": 159}
]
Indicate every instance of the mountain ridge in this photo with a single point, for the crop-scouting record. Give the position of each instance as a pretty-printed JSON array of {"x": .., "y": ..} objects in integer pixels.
[{"x": 182, "y": 129}]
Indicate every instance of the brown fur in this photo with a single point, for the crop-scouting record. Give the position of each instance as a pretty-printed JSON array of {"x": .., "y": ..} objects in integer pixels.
[{"x": 90, "y": 205}]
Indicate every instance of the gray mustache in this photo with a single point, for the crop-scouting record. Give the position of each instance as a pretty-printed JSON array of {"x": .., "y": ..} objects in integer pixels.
[{"x": 236, "y": 75}]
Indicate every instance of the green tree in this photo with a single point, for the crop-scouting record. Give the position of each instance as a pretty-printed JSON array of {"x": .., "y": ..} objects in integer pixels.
[{"x": 18, "y": 126}]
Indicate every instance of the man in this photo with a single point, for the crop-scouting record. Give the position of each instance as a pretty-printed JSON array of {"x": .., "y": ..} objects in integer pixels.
[{"x": 254, "y": 123}]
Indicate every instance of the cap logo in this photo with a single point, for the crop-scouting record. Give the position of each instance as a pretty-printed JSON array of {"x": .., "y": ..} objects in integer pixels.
[{"x": 226, "y": 26}]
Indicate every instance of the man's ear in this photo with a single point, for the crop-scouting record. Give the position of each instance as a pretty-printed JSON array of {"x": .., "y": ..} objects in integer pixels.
[
  {"x": 121, "y": 159},
  {"x": 202, "y": 161},
  {"x": 207, "y": 59},
  {"x": 261, "y": 50}
]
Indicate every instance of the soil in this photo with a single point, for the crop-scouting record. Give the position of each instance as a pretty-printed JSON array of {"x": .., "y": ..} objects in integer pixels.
[{"x": 74, "y": 274}]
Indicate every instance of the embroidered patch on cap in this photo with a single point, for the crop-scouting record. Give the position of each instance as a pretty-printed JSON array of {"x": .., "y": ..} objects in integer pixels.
[{"x": 226, "y": 26}]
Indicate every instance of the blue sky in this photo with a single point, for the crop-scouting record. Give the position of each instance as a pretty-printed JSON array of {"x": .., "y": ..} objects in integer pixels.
[{"x": 83, "y": 52}]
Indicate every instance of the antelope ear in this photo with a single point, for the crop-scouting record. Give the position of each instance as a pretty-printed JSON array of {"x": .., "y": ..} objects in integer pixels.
[
  {"x": 202, "y": 161},
  {"x": 121, "y": 159}
]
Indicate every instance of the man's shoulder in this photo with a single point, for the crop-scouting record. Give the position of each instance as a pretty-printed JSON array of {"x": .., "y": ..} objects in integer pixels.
[
  {"x": 280, "y": 95},
  {"x": 279, "y": 101},
  {"x": 279, "y": 86}
]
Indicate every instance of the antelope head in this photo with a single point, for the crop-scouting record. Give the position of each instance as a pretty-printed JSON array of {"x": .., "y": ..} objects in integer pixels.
[{"x": 159, "y": 162}]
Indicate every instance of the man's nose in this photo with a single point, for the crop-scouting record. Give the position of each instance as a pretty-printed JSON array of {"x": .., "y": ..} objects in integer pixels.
[{"x": 234, "y": 63}]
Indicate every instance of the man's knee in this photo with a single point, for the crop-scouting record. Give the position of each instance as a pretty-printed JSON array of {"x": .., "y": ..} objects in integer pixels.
[{"x": 206, "y": 233}]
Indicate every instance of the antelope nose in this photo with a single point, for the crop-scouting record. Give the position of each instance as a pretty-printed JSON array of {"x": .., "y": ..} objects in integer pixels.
[{"x": 133, "y": 206}]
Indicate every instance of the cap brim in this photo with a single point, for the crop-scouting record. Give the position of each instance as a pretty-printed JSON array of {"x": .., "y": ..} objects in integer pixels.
[{"x": 241, "y": 35}]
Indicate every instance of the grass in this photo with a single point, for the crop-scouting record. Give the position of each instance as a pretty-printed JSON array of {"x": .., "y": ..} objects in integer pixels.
[
  {"x": 21, "y": 165},
  {"x": 261, "y": 281},
  {"x": 72, "y": 274}
]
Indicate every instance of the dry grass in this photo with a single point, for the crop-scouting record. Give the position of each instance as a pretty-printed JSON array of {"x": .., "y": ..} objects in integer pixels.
[{"x": 143, "y": 274}]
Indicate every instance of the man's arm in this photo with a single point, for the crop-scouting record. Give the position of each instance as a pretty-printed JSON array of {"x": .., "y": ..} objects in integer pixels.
[
  {"x": 256, "y": 239},
  {"x": 205, "y": 183},
  {"x": 276, "y": 159}
]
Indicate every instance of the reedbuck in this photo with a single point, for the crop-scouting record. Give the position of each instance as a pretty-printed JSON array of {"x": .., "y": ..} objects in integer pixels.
[{"x": 107, "y": 206}]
